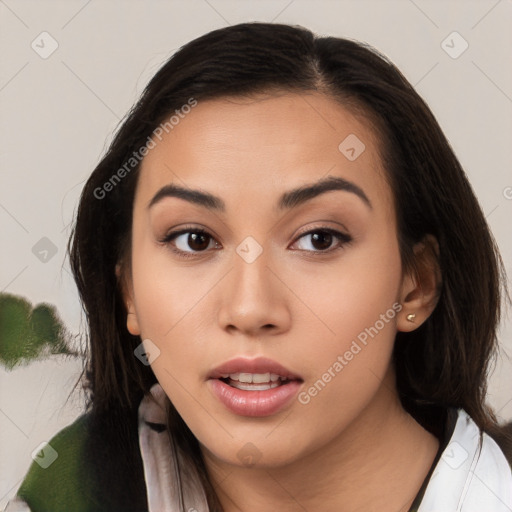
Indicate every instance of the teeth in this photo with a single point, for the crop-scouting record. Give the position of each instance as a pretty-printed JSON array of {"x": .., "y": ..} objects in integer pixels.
[
  {"x": 253, "y": 387},
  {"x": 256, "y": 378},
  {"x": 259, "y": 378},
  {"x": 254, "y": 381}
]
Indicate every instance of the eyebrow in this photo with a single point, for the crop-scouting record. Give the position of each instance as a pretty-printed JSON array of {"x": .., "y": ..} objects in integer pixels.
[{"x": 288, "y": 200}]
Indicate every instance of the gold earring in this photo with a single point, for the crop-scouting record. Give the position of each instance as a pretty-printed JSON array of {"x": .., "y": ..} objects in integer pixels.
[{"x": 411, "y": 317}]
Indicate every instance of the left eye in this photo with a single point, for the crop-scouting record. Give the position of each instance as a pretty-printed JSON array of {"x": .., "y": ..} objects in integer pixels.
[{"x": 320, "y": 240}]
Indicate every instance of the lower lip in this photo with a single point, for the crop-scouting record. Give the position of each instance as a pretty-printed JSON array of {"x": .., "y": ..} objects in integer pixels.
[{"x": 254, "y": 403}]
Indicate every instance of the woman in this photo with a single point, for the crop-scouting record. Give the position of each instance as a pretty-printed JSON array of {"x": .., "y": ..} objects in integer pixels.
[{"x": 292, "y": 295}]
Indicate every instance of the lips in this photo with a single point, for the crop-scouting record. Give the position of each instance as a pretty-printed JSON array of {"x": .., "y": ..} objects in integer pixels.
[{"x": 254, "y": 387}]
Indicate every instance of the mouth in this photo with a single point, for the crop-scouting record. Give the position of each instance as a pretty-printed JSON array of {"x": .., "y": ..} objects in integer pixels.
[
  {"x": 256, "y": 374},
  {"x": 254, "y": 387}
]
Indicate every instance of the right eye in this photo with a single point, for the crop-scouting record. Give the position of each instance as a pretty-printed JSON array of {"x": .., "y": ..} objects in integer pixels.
[{"x": 188, "y": 242}]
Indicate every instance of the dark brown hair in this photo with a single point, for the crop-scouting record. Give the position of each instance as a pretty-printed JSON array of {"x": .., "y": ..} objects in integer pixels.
[{"x": 442, "y": 364}]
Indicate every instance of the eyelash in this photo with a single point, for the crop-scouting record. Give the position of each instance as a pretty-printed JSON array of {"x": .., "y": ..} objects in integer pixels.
[{"x": 343, "y": 239}]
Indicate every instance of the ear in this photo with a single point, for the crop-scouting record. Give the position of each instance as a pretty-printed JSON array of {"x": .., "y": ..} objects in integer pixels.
[
  {"x": 125, "y": 282},
  {"x": 421, "y": 286}
]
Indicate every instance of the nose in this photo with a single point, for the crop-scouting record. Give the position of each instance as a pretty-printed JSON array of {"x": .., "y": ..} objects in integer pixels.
[{"x": 254, "y": 299}]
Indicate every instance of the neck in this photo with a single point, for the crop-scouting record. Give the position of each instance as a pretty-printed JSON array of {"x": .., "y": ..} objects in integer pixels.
[{"x": 377, "y": 463}]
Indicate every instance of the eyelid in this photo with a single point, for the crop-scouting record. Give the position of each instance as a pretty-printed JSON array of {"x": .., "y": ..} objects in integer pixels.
[
  {"x": 323, "y": 227},
  {"x": 186, "y": 229}
]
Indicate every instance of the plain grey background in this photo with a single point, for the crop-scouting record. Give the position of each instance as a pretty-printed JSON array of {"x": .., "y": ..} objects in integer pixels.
[{"x": 70, "y": 70}]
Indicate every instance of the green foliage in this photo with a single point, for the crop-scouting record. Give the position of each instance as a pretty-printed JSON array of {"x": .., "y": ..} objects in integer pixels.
[{"x": 28, "y": 333}]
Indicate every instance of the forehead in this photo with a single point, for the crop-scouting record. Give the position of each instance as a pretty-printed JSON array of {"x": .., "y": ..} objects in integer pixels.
[{"x": 264, "y": 143}]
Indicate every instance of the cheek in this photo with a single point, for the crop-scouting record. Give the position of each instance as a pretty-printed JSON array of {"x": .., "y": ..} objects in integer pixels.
[
  {"x": 345, "y": 297},
  {"x": 171, "y": 314}
]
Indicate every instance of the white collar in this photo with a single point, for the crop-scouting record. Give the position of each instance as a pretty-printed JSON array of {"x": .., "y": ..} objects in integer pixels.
[
  {"x": 163, "y": 462},
  {"x": 464, "y": 479}
]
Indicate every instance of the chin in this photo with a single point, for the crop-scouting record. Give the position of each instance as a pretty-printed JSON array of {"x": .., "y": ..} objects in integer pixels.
[{"x": 256, "y": 452}]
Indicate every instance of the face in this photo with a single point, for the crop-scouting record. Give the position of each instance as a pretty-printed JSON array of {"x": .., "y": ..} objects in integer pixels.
[{"x": 298, "y": 292}]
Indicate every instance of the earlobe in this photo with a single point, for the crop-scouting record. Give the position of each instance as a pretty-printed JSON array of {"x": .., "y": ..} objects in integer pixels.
[
  {"x": 421, "y": 286},
  {"x": 132, "y": 322}
]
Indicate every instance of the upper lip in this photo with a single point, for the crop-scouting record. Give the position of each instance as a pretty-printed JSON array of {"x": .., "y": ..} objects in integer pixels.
[{"x": 256, "y": 365}]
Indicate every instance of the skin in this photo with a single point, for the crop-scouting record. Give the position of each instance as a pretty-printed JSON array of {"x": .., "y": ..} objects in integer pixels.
[{"x": 352, "y": 447}]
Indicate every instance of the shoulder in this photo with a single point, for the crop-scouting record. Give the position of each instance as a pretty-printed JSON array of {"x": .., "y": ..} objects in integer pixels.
[
  {"x": 58, "y": 479},
  {"x": 471, "y": 474},
  {"x": 92, "y": 465}
]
